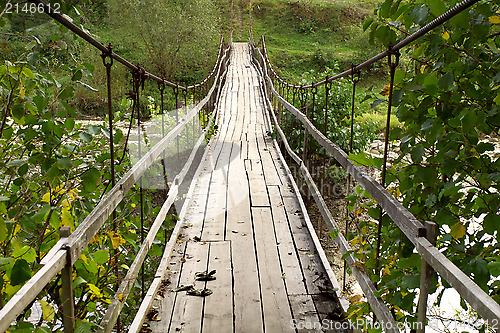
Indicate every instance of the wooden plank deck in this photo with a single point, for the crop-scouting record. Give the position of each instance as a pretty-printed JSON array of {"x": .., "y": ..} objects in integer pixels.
[{"x": 244, "y": 221}]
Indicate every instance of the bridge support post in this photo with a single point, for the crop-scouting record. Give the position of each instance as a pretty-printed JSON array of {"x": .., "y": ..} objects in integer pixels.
[
  {"x": 67, "y": 296},
  {"x": 426, "y": 276}
]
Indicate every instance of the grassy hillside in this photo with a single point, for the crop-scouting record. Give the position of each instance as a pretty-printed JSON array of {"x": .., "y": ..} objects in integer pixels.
[
  {"x": 301, "y": 35},
  {"x": 304, "y": 35}
]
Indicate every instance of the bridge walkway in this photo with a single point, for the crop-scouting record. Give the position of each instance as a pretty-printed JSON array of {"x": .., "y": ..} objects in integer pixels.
[{"x": 244, "y": 220}]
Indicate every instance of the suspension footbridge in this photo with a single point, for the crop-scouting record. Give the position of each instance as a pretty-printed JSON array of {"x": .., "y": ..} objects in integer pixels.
[{"x": 244, "y": 255}]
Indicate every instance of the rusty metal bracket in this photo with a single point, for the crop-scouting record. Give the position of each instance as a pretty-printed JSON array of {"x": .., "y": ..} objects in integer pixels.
[{"x": 107, "y": 55}]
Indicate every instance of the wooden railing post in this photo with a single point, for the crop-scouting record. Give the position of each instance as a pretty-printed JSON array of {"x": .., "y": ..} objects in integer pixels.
[
  {"x": 304, "y": 150},
  {"x": 67, "y": 296},
  {"x": 426, "y": 276}
]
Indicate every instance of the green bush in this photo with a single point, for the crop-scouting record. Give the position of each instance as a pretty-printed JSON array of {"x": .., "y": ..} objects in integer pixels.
[
  {"x": 338, "y": 115},
  {"x": 447, "y": 97}
]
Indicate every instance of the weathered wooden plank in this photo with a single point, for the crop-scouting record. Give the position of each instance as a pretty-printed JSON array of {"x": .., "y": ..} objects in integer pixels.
[
  {"x": 31, "y": 289},
  {"x": 218, "y": 309},
  {"x": 305, "y": 316},
  {"x": 196, "y": 207},
  {"x": 485, "y": 306},
  {"x": 253, "y": 150},
  {"x": 270, "y": 169},
  {"x": 188, "y": 310},
  {"x": 276, "y": 309},
  {"x": 247, "y": 301},
  {"x": 239, "y": 222},
  {"x": 215, "y": 216},
  {"x": 162, "y": 295},
  {"x": 314, "y": 274},
  {"x": 292, "y": 270},
  {"x": 214, "y": 219},
  {"x": 330, "y": 312},
  {"x": 258, "y": 190}
]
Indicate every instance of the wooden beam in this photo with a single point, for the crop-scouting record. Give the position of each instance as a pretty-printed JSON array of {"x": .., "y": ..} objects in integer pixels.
[
  {"x": 67, "y": 295},
  {"x": 16, "y": 305},
  {"x": 484, "y": 305},
  {"x": 369, "y": 289},
  {"x": 162, "y": 267},
  {"x": 93, "y": 222},
  {"x": 411, "y": 227},
  {"x": 426, "y": 275}
]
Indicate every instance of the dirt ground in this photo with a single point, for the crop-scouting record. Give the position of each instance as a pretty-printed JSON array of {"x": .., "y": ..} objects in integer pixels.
[{"x": 338, "y": 208}]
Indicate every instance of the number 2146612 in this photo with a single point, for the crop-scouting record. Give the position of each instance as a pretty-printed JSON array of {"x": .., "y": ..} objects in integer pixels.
[{"x": 32, "y": 8}]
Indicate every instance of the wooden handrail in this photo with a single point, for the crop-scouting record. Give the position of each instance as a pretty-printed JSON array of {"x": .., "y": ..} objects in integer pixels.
[
  {"x": 369, "y": 289},
  {"x": 66, "y": 252},
  {"x": 160, "y": 272},
  {"x": 123, "y": 291},
  {"x": 485, "y": 306}
]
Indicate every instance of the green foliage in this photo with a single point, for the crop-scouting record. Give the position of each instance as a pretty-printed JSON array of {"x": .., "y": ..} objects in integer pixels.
[
  {"x": 180, "y": 38},
  {"x": 305, "y": 35},
  {"x": 338, "y": 123},
  {"x": 447, "y": 97},
  {"x": 54, "y": 172}
]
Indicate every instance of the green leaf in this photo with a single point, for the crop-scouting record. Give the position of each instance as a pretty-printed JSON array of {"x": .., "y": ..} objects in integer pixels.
[
  {"x": 101, "y": 256},
  {"x": 497, "y": 99},
  {"x": 69, "y": 123},
  {"x": 376, "y": 103},
  {"x": 497, "y": 77},
  {"x": 17, "y": 111},
  {"x": 85, "y": 137},
  {"x": 77, "y": 75},
  {"x": 20, "y": 273},
  {"x": 365, "y": 159},
  {"x": 28, "y": 73},
  {"x": 33, "y": 59},
  {"x": 491, "y": 223},
  {"x": 419, "y": 14},
  {"x": 494, "y": 268},
  {"x": 385, "y": 8},
  {"x": 411, "y": 281},
  {"x": 90, "y": 179},
  {"x": 23, "y": 169},
  {"x": 3, "y": 229},
  {"x": 446, "y": 81},
  {"x": 367, "y": 23},
  {"x": 7, "y": 264},
  {"x": 64, "y": 163},
  {"x": 26, "y": 252},
  {"x": 417, "y": 153},
  {"x": 40, "y": 102},
  {"x": 87, "y": 86},
  {"x": 67, "y": 93},
  {"x": 438, "y": 7},
  {"x": 68, "y": 107},
  {"x": 397, "y": 95},
  {"x": 94, "y": 130},
  {"x": 458, "y": 230},
  {"x": 79, "y": 281},
  {"x": 15, "y": 163},
  {"x": 83, "y": 327}
]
